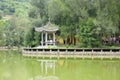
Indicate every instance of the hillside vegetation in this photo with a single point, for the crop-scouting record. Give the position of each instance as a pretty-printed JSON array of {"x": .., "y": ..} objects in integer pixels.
[{"x": 94, "y": 23}]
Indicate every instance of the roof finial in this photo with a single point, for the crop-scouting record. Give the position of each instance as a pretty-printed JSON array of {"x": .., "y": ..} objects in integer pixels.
[
  {"x": 49, "y": 19},
  {"x": 42, "y": 24}
]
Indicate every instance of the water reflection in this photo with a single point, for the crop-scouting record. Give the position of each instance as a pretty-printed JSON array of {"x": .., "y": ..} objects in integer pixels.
[
  {"x": 45, "y": 78},
  {"x": 46, "y": 66},
  {"x": 20, "y": 68}
]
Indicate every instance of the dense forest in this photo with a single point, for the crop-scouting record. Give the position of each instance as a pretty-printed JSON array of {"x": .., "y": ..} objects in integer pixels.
[{"x": 95, "y": 23}]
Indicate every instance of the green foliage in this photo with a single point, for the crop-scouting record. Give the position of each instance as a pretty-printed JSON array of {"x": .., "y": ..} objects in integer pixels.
[
  {"x": 88, "y": 20},
  {"x": 14, "y": 25},
  {"x": 31, "y": 38},
  {"x": 0, "y": 17},
  {"x": 39, "y": 12},
  {"x": 87, "y": 36},
  {"x": 9, "y": 7},
  {"x": 3, "y": 24}
]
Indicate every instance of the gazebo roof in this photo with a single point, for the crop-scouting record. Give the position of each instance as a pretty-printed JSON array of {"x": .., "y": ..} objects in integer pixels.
[{"x": 47, "y": 28}]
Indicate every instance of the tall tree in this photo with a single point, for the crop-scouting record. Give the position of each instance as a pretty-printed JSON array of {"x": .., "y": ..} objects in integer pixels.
[{"x": 73, "y": 17}]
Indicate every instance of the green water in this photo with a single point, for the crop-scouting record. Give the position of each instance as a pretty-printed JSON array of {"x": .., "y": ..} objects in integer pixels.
[{"x": 15, "y": 67}]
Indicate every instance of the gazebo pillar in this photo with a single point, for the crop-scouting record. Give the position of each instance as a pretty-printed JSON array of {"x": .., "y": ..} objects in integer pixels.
[
  {"x": 54, "y": 38},
  {"x": 42, "y": 38},
  {"x": 46, "y": 36}
]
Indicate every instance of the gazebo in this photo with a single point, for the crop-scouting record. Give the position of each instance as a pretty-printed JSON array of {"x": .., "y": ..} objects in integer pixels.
[{"x": 49, "y": 28}]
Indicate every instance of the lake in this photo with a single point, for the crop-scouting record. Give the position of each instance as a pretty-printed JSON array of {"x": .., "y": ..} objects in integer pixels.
[{"x": 13, "y": 66}]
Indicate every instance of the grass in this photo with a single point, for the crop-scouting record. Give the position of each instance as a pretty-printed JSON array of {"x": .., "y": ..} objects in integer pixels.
[{"x": 77, "y": 46}]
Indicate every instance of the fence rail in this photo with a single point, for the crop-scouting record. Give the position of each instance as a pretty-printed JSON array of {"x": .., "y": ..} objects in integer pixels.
[{"x": 72, "y": 53}]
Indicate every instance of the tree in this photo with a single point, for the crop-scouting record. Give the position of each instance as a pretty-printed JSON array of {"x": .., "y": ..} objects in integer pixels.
[
  {"x": 3, "y": 24},
  {"x": 74, "y": 16},
  {"x": 31, "y": 38},
  {"x": 87, "y": 34},
  {"x": 39, "y": 12}
]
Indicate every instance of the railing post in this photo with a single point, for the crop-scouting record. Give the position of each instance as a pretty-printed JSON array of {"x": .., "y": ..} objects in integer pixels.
[
  {"x": 111, "y": 54},
  {"x": 66, "y": 51},
  {"x": 101, "y": 54},
  {"x": 92, "y": 55},
  {"x": 74, "y": 53},
  {"x": 58, "y": 54},
  {"x": 43, "y": 54},
  {"x": 83, "y": 54}
]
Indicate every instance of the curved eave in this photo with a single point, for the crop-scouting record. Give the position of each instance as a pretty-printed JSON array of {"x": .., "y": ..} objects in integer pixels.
[
  {"x": 46, "y": 30},
  {"x": 51, "y": 30},
  {"x": 39, "y": 29}
]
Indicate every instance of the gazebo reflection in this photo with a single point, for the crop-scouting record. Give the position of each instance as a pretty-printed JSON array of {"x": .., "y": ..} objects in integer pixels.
[{"x": 47, "y": 64}]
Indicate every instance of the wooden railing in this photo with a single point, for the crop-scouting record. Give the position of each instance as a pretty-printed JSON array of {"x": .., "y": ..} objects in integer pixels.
[{"x": 72, "y": 53}]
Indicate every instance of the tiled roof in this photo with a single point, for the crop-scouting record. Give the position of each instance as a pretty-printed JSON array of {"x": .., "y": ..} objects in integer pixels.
[{"x": 47, "y": 28}]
